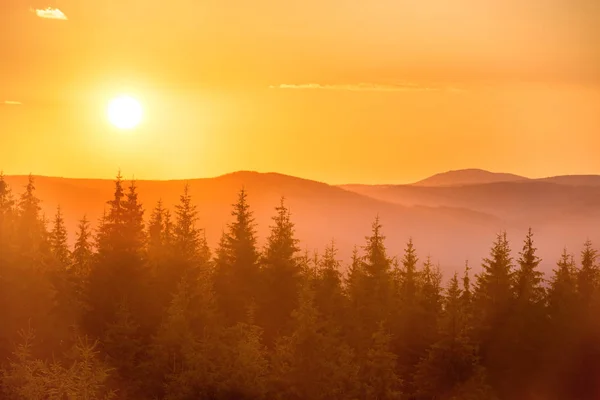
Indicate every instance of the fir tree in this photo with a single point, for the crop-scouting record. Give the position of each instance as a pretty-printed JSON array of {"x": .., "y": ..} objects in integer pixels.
[
  {"x": 451, "y": 365},
  {"x": 156, "y": 235},
  {"x": 378, "y": 284},
  {"x": 31, "y": 230},
  {"x": 528, "y": 280},
  {"x": 186, "y": 234},
  {"x": 82, "y": 251},
  {"x": 564, "y": 326},
  {"x": 587, "y": 279},
  {"x": 329, "y": 295},
  {"x": 58, "y": 241},
  {"x": 378, "y": 370},
  {"x": 493, "y": 303},
  {"x": 310, "y": 363},
  {"x": 7, "y": 222},
  {"x": 280, "y": 275},
  {"x": 119, "y": 273}
]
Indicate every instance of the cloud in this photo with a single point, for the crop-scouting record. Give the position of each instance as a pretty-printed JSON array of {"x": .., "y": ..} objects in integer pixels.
[
  {"x": 367, "y": 87},
  {"x": 50, "y": 13},
  {"x": 12, "y": 103}
]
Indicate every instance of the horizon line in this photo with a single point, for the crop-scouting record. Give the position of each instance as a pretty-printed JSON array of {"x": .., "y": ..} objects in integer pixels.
[{"x": 21, "y": 175}]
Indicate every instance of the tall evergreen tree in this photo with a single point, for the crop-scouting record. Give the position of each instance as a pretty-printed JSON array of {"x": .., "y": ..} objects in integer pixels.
[
  {"x": 493, "y": 303},
  {"x": 58, "y": 241},
  {"x": 378, "y": 284},
  {"x": 31, "y": 230},
  {"x": 451, "y": 369},
  {"x": 82, "y": 255},
  {"x": 156, "y": 236},
  {"x": 527, "y": 320},
  {"x": 237, "y": 275},
  {"x": 563, "y": 334},
  {"x": 7, "y": 222},
  {"x": 329, "y": 294},
  {"x": 186, "y": 233},
  {"x": 118, "y": 275},
  {"x": 311, "y": 363},
  {"x": 378, "y": 370},
  {"x": 281, "y": 275},
  {"x": 587, "y": 279}
]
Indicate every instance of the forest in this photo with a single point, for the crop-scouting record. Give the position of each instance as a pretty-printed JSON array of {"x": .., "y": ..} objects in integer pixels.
[{"x": 137, "y": 306}]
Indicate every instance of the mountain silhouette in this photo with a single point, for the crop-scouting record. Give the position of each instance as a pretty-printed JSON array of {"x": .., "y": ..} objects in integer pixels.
[{"x": 467, "y": 177}]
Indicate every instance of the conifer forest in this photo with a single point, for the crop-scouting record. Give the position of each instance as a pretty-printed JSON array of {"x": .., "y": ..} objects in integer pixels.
[{"x": 137, "y": 306}]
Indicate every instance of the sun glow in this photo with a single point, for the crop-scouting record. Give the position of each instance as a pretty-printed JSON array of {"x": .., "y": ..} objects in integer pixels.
[{"x": 125, "y": 112}]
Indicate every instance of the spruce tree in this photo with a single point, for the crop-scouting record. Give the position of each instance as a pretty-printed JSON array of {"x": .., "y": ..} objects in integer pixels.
[
  {"x": 587, "y": 278},
  {"x": 493, "y": 304},
  {"x": 31, "y": 231},
  {"x": 237, "y": 274},
  {"x": 450, "y": 369},
  {"x": 564, "y": 313},
  {"x": 118, "y": 275},
  {"x": 378, "y": 284},
  {"x": 527, "y": 319},
  {"x": 329, "y": 294},
  {"x": 377, "y": 374},
  {"x": 82, "y": 250},
  {"x": 156, "y": 236},
  {"x": 311, "y": 362},
  {"x": 186, "y": 234},
  {"x": 280, "y": 275},
  {"x": 58, "y": 241},
  {"x": 7, "y": 223}
]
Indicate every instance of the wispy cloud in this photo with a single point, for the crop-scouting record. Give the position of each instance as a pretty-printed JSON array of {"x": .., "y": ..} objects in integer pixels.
[
  {"x": 368, "y": 87},
  {"x": 50, "y": 13},
  {"x": 12, "y": 103}
]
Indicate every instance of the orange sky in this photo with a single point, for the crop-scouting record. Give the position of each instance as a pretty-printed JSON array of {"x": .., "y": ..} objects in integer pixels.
[{"x": 400, "y": 90}]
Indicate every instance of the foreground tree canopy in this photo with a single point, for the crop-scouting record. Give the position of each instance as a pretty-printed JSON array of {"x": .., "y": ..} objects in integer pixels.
[{"x": 141, "y": 308}]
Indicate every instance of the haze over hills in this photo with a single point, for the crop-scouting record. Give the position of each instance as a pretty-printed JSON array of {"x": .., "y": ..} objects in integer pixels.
[
  {"x": 451, "y": 223},
  {"x": 467, "y": 177}
]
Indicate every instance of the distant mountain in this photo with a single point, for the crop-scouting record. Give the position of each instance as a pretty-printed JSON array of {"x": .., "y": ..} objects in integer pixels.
[
  {"x": 574, "y": 180},
  {"x": 467, "y": 177}
]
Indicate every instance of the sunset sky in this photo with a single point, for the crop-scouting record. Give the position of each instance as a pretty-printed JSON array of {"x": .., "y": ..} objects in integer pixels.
[{"x": 334, "y": 90}]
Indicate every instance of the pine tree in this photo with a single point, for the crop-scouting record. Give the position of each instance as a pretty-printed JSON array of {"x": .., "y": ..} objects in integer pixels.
[
  {"x": 7, "y": 223},
  {"x": 409, "y": 279},
  {"x": 31, "y": 230},
  {"x": 123, "y": 346},
  {"x": 587, "y": 279},
  {"x": 311, "y": 363},
  {"x": 247, "y": 370},
  {"x": 237, "y": 275},
  {"x": 467, "y": 295},
  {"x": 186, "y": 234},
  {"x": 119, "y": 273},
  {"x": 82, "y": 251},
  {"x": 133, "y": 219},
  {"x": 377, "y": 268},
  {"x": 528, "y": 280},
  {"x": 329, "y": 294},
  {"x": 527, "y": 319},
  {"x": 281, "y": 275},
  {"x": 378, "y": 370},
  {"x": 156, "y": 236},
  {"x": 493, "y": 303},
  {"x": 58, "y": 241},
  {"x": 563, "y": 333},
  {"x": 450, "y": 369}
]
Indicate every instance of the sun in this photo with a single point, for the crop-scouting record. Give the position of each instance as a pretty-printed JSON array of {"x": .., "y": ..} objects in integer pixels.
[{"x": 125, "y": 112}]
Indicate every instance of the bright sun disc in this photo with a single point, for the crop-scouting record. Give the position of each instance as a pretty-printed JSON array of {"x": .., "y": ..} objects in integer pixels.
[{"x": 125, "y": 112}]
